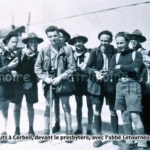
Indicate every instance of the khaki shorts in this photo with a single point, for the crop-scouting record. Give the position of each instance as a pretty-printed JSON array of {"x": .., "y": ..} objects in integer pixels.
[{"x": 128, "y": 96}]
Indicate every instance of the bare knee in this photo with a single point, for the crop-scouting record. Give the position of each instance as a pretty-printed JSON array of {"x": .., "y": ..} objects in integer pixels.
[
  {"x": 97, "y": 110},
  {"x": 135, "y": 117},
  {"x": 30, "y": 107},
  {"x": 5, "y": 111},
  {"x": 126, "y": 117},
  {"x": 17, "y": 107},
  {"x": 66, "y": 108}
]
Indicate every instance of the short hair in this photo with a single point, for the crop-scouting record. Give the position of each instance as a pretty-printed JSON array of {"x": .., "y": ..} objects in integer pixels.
[
  {"x": 51, "y": 28},
  {"x": 105, "y": 32},
  {"x": 126, "y": 35}
]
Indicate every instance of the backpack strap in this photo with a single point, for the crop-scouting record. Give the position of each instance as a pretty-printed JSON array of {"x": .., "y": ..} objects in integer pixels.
[
  {"x": 133, "y": 55},
  {"x": 118, "y": 56}
]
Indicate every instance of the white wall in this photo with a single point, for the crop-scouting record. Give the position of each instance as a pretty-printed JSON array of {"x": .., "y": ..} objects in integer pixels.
[{"x": 122, "y": 19}]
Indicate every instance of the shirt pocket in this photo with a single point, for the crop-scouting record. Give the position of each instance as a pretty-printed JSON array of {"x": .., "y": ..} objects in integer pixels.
[{"x": 46, "y": 64}]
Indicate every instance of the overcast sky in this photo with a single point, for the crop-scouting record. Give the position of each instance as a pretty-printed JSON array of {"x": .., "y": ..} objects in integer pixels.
[
  {"x": 16, "y": 11},
  {"x": 48, "y": 12}
]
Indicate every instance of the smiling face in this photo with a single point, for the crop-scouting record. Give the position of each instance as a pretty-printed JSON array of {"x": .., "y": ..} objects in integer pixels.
[
  {"x": 79, "y": 44},
  {"x": 12, "y": 43},
  {"x": 53, "y": 37},
  {"x": 105, "y": 41},
  {"x": 121, "y": 43},
  {"x": 33, "y": 44}
]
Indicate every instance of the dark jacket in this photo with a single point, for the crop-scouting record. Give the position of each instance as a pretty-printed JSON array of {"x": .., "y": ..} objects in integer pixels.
[
  {"x": 25, "y": 67},
  {"x": 7, "y": 81},
  {"x": 80, "y": 76},
  {"x": 129, "y": 68},
  {"x": 95, "y": 63}
]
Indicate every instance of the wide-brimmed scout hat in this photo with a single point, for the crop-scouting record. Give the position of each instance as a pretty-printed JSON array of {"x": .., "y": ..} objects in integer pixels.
[
  {"x": 9, "y": 35},
  {"x": 66, "y": 34},
  {"x": 32, "y": 36},
  {"x": 83, "y": 38},
  {"x": 138, "y": 34}
]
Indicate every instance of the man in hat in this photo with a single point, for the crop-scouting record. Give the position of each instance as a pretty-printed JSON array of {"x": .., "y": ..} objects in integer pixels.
[
  {"x": 99, "y": 86},
  {"x": 8, "y": 62},
  {"x": 136, "y": 39},
  {"x": 81, "y": 55},
  {"x": 55, "y": 63},
  {"x": 27, "y": 83},
  {"x": 64, "y": 38}
]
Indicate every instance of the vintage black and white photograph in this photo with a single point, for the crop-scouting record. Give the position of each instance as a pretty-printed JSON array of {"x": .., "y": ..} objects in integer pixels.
[{"x": 75, "y": 74}]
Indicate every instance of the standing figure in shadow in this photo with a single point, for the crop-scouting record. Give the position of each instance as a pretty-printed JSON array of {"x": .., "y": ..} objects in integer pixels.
[
  {"x": 81, "y": 55},
  {"x": 99, "y": 85},
  {"x": 64, "y": 38},
  {"x": 55, "y": 63},
  {"x": 27, "y": 82},
  {"x": 8, "y": 63}
]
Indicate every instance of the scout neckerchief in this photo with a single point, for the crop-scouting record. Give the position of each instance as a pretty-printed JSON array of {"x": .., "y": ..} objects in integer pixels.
[
  {"x": 77, "y": 55},
  {"x": 10, "y": 55},
  {"x": 29, "y": 53},
  {"x": 105, "y": 60}
]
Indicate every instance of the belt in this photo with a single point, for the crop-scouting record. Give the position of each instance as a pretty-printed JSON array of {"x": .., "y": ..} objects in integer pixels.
[{"x": 123, "y": 79}]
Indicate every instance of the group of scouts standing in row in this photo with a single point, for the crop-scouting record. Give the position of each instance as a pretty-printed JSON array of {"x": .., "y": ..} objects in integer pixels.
[{"x": 118, "y": 75}]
